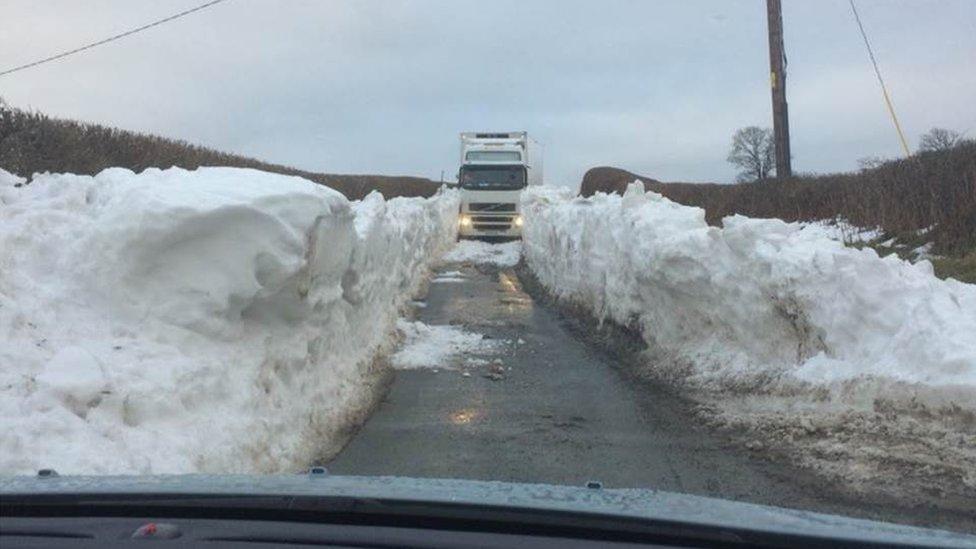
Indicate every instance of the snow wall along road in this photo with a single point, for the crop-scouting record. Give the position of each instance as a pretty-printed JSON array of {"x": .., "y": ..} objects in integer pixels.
[
  {"x": 214, "y": 320},
  {"x": 758, "y": 305}
]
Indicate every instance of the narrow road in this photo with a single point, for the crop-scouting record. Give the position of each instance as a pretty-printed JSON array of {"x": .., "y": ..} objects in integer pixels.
[{"x": 564, "y": 413}]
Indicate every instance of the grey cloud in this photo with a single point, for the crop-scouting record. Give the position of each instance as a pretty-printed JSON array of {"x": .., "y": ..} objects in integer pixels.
[{"x": 384, "y": 87}]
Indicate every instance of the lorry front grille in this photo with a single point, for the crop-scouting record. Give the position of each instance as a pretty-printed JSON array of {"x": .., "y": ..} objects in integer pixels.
[
  {"x": 491, "y": 218},
  {"x": 492, "y": 227},
  {"x": 491, "y": 207}
]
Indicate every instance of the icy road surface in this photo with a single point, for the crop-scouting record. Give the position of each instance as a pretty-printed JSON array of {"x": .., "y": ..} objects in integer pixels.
[{"x": 536, "y": 403}]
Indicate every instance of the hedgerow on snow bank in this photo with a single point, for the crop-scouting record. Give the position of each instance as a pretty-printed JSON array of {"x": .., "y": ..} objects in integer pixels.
[
  {"x": 755, "y": 304},
  {"x": 214, "y": 320}
]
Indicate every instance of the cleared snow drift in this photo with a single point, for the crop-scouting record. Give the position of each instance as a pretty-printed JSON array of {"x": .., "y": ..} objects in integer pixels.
[
  {"x": 504, "y": 254},
  {"x": 216, "y": 320},
  {"x": 757, "y": 305},
  {"x": 438, "y": 347}
]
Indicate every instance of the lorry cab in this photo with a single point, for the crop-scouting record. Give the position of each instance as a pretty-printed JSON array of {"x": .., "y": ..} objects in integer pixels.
[{"x": 495, "y": 168}]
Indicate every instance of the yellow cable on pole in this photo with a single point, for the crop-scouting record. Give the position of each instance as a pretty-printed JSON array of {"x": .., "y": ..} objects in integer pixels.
[
  {"x": 894, "y": 118},
  {"x": 884, "y": 89}
]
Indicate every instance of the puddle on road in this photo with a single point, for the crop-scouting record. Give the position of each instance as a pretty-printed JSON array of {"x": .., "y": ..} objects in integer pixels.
[{"x": 464, "y": 417}]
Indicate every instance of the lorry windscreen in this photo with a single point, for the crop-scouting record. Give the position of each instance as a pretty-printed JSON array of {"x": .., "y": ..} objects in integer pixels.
[{"x": 495, "y": 178}]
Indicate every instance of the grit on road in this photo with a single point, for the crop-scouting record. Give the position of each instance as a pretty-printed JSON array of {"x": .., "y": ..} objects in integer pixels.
[{"x": 562, "y": 412}]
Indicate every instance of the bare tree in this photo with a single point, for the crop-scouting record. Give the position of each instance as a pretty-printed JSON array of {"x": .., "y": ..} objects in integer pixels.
[
  {"x": 753, "y": 152},
  {"x": 870, "y": 162},
  {"x": 939, "y": 139}
]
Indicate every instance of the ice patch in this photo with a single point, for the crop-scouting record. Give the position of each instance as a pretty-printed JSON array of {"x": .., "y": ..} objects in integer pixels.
[
  {"x": 505, "y": 254},
  {"x": 443, "y": 347},
  {"x": 449, "y": 276},
  {"x": 449, "y": 279}
]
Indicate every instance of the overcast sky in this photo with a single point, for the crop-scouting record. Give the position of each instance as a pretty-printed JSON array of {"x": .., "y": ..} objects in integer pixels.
[{"x": 371, "y": 86}]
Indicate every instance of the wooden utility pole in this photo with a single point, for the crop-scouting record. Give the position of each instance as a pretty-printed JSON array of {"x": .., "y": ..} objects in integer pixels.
[{"x": 777, "y": 78}]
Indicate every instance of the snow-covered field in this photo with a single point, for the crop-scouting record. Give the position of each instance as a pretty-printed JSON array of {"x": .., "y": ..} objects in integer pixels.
[{"x": 210, "y": 320}]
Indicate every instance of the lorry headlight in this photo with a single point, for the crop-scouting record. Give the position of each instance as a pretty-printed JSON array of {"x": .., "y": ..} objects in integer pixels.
[
  {"x": 518, "y": 221},
  {"x": 465, "y": 220}
]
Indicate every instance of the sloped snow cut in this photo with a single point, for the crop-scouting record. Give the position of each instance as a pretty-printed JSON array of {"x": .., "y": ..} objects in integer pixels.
[{"x": 758, "y": 304}]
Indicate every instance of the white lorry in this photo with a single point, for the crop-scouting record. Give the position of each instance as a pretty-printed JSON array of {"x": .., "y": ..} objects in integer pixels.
[{"x": 495, "y": 168}]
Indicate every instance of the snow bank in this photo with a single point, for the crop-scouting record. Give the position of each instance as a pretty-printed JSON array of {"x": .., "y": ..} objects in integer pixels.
[
  {"x": 214, "y": 320},
  {"x": 757, "y": 303}
]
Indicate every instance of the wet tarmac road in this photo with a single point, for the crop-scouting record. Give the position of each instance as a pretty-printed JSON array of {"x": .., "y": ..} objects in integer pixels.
[{"x": 563, "y": 412}]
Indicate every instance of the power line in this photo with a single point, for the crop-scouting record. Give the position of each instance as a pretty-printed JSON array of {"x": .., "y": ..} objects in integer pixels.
[
  {"x": 109, "y": 39},
  {"x": 884, "y": 89}
]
